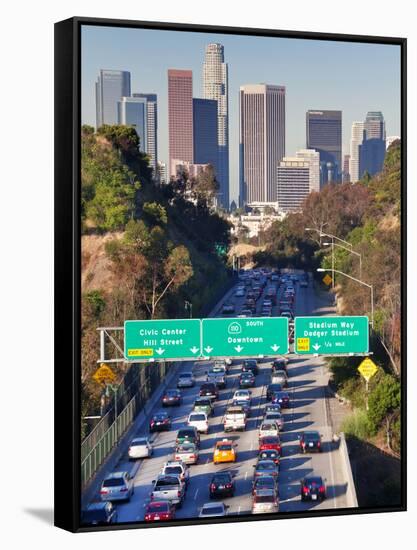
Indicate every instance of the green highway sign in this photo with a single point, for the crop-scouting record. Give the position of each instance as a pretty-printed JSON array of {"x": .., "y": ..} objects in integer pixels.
[
  {"x": 331, "y": 335},
  {"x": 162, "y": 339},
  {"x": 244, "y": 336}
]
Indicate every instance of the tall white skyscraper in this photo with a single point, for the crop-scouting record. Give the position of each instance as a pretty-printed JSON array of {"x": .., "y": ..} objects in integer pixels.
[
  {"x": 151, "y": 127},
  {"x": 215, "y": 86},
  {"x": 296, "y": 178},
  {"x": 355, "y": 141},
  {"x": 111, "y": 86},
  {"x": 375, "y": 125},
  {"x": 262, "y": 141}
]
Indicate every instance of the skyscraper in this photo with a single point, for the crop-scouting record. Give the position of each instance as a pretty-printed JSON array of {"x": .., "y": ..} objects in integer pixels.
[
  {"x": 133, "y": 111},
  {"x": 262, "y": 141},
  {"x": 346, "y": 173},
  {"x": 375, "y": 125},
  {"x": 215, "y": 86},
  {"x": 371, "y": 156},
  {"x": 324, "y": 134},
  {"x": 355, "y": 140},
  {"x": 111, "y": 86},
  {"x": 296, "y": 178},
  {"x": 205, "y": 119},
  {"x": 180, "y": 116},
  {"x": 151, "y": 127}
]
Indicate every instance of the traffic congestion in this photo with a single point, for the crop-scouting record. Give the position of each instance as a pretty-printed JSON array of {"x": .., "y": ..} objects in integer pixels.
[{"x": 234, "y": 436}]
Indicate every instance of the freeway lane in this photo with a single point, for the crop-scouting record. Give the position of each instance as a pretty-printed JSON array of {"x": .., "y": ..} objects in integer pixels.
[{"x": 307, "y": 383}]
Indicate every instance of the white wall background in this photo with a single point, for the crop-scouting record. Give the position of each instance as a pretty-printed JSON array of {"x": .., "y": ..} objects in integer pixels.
[{"x": 26, "y": 268}]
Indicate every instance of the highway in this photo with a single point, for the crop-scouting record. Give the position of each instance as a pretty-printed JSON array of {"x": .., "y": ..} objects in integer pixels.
[{"x": 308, "y": 411}]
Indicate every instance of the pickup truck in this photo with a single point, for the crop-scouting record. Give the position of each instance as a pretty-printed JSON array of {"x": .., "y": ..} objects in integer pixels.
[
  {"x": 169, "y": 487},
  {"x": 234, "y": 419},
  {"x": 217, "y": 378}
]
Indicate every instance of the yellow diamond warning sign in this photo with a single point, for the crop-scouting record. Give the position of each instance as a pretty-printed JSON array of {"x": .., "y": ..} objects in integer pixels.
[
  {"x": 327, "y": 280},
  {"x": 104, "y": 374},
  {"x": 368, "y": 369},
  {"x": 303, "y": 344}
]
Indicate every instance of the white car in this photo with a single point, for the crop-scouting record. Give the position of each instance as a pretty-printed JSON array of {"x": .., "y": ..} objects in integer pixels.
[
  {"x": 265, "y": 501},
  {"x": 199, "y": 420},
  {"x": 140, "y": 447},
  {"x": 213, "y": 509},
  {"x": 176, "y": 467},
  {"x": 117, "y": 486},
  {"x": 244, "y": 395},
  {"x": 276, "y": 417},
  {"x": 185, "y": 380},
  {"x": 240, "y": 293},
  {"x": 268, "y": 428}
]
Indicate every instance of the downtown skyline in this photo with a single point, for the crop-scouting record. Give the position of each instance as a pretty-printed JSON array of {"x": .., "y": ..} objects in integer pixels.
[{"x": 317, "y": 75}]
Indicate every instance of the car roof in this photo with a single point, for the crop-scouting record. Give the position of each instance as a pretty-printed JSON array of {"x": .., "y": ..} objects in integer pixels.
[
  {"x": 312, "y": 433},
  {"x": 99, "y": 505},
  {"x": 213, "y": 504},
  {"x": 311, "y": 479},
  {"x": 115, "y": 475}
]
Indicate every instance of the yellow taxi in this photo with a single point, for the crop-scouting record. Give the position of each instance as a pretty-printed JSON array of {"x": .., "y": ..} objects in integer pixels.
[{"x": 224, "y": 451}]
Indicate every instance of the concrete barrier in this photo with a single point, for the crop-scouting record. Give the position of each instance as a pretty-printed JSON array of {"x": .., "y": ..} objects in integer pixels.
[{"x": 352, "y": 501}]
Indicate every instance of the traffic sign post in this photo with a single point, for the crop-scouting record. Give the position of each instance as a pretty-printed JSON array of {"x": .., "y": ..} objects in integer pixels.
[
  {"x": 331, "y": 335},
  {"x": 104, "y": 374},
  {"x": 240, "y": 337},
  {"x": 162, "y": 339},
  {"x": 367, "y": 369}
]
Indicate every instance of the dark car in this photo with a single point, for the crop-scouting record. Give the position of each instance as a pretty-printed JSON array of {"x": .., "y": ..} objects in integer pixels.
[
  {"x": 171, "y": 397},
  {"x": 250, "y": 365},
  {"x": 272, "y": 407},
  {"x": 266, "y": 467},
  {"x": 99, "y": 513},
  {"x": 160, "y": 421},
  {"x": 270, "y": 454},
  {"x": 222, "y": 485},
  {"x": 246, "y": 380},
  {"x": 159, "y": 510},
  {"x": 209, "y": 390},
  {"x": 188, "y": 435},
  {"x": 310, "y": 442},
  {"x": 244, "y": 403},
  {"x": 271, "y": 389},
  {"x": 264, "y": 482},
  {"x": 282, "y": 398},
  {"x": 279, "y": 364},
  {"x": 313, "y": 488}
]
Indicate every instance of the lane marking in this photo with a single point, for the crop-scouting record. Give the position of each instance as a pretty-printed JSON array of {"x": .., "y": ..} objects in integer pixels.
[
  {"x": 246, "y": 475},
  {"x": 196, "y": 493}
]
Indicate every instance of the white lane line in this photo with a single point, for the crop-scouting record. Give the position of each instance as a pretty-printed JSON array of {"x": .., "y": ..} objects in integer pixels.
[
  {"x": 330, "y": 452},
  {"x": 238, "y": 510},
  {"x": 195, "y": 494},
  {"x": 246, "y": 475}
]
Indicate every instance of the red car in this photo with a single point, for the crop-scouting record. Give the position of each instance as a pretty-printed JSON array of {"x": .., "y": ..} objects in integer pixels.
[
  {"x": 159, "y": 510},
  {"x": 171, "y": 397},
  {"x": 270, "y": 442}
]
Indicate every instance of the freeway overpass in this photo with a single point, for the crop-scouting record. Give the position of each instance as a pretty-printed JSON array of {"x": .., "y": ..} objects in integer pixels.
[{"x": 308, "y": 380}]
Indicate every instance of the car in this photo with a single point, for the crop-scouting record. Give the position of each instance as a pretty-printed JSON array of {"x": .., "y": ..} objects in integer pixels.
[
  {"x": 280, "y": 363},
  {"x": 264, "y": 482},
  {"x": 169, "y": 488},
  {"x": 250, "y": 365},
  {"x": 244, "y": 404},
  {"x": 224, "y": 451},
  {"x": 266, "y": 467},
  {"x": 159, "y": 510},
  {"x": 270, "y": 442},
  {"x": 225, "y": 362},
  {"x": 161, "y": 421},
  {"x": 210, "y": 390},
  {"x": 171, "y": 398},
  {"x": 244, "y": 395},
  {"x": 270, "y": 454},
  {"x": 203, "y": 404},
  {"x": 140, "y": 447},
  {"x": 267, "y": 302},
  {"x": 234, "y": 419},
  {"x": 199, "y": 420},
  {"x": 246, "y": 312},
  {"x": 117, "y": 486},
  {"x": 279, "y": 377},
  {"x": 227, "y": 309},
  {"x": 312, "y": 488},
  {"x": 240, "y": 293},
  {"x": 275, "y": 416},
  {"x": 213, "y": 510},
  {"x": 222, "y": 485},
  {"x": 310, "y": 441},
  {"x": 282, "y": 398},
  {"x": 303, "y": 284},
  {"x": 187, "y": 452},
  {"x": 272, "y": 407},
  {"x": 217, "y": 378},
  {"x": 265, "y": 501},
  {"x": 268, "y": 428},
  {"x": 218, "y": 368},
  {"x": 99, "y": 513},
  {"x": 246, "y": 380},
  {"x": 188, "y": 434},
  {"x": 186, "y": 380},
  {"x": 288, "y": 314},
  {"x": 176, "y": 467},
  {"x": 271, "y": 389}
]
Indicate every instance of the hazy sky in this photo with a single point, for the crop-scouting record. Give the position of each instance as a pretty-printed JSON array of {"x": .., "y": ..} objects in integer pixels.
[{"x": 352, "y": 77}]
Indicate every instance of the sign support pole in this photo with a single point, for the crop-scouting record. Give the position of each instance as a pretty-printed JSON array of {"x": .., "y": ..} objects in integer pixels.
[{"x": 366, "y": 394}]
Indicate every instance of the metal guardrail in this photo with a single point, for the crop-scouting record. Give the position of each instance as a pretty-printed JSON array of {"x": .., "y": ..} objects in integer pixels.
[{"x": 352, "y": 500}]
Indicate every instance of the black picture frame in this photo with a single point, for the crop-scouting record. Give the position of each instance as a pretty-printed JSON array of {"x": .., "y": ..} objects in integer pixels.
[{"x": 68, "y": 260}]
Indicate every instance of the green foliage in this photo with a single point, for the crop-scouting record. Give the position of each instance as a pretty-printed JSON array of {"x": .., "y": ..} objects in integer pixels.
[
  {"x": 95, "y": 303},
  {"x": 154, "y": 213},
  {"x": 384, "y": 398},
  {"x": 357, "y": 425}
]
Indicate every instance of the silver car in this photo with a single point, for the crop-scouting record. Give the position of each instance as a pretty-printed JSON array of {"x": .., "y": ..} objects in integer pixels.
[
  {"x": 213, "y": 510},
  {"x": 117, "y": 486},
  {"x": 186, "y": 380},
  {"x": 187, "y": 452},
  {"x": 265, "y": 501},
  {"x": 276, "y": 417},
  {"x": 279, "y": 377},
  {"x": 140, "y": 447}
]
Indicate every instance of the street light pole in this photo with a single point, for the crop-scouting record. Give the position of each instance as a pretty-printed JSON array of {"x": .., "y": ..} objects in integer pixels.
[
  {"x": 188, "y": 306},
  {"x": 348, "y": 250},
  {"x": 321, "y": 269}
]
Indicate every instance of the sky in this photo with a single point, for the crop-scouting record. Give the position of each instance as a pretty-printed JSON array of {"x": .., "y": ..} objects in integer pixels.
[{"x": 352, "y": 77}]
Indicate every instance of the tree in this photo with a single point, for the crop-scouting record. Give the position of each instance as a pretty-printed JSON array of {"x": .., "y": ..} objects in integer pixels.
[{"x": 384, "y": 399}]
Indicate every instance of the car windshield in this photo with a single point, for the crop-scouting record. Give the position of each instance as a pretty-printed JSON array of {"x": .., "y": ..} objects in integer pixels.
[
  {"x": 160, "y": 416},
  {"x": 158, "y": 507},
  {"x": 221, "y": 478},
  {"x": 171, "y": 393},
  {"x": 212, "y": 510},
  {"x": 266, "y": 466},
  {"x": 224, "y": 447},
  {"x": 268, "y": 427},
  {"x": 169, "y": 480},
  {"x": 264, "y": 498},
  {"x": 196, "y": 417},
  {"x": 270, "y": 440},
  {"x": 265, "y": 481},
  {"x": 186, "y": 433},
  {"x": 186, "y": 448},
  {"x": 313, "y": 481},
  {"x": 113, "y": 482},
  {"x": 173, "y": 470},
  {"x": 202, "y": 402},
  {"x": 139, "y": 442},
  {"x": 311, "y": 436},
  {"x": 186, "y": 375}
]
